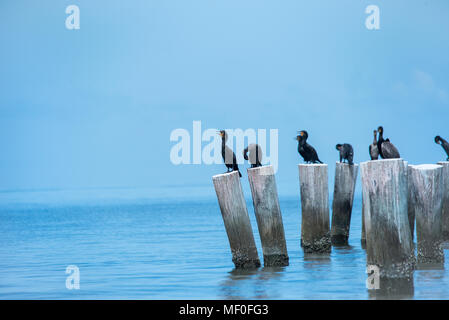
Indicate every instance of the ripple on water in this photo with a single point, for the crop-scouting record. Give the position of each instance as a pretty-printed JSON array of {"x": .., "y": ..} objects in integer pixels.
[{"x": 171, "y": 250}]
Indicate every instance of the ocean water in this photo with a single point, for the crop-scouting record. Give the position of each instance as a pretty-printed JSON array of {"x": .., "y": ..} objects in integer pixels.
[{"x": 131, "y": 246}]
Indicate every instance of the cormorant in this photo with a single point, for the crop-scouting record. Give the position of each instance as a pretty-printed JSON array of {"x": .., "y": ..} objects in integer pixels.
[
  {"x": 386, "y": 149},
  {"x": 346, "y": 152},
  {"x": 373, "y": 150},
  {"x": 444, "y": 144},
  {"x": 255, "y": 155},
  {"x": 306, "y": 150},
  {"x": 227, "y": 154}
]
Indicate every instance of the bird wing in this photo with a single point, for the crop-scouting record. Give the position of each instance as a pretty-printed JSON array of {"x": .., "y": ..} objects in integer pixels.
[
  {"x": 374, "y": 152},
  {"x": 350, "y": 149},
  {"x": 229, "y": 156},
  {"x": 260, "y": 151},
  {"x": 390, "y": 151},
  {"x": 445, "y": 145},
  {"x": 312, "y": 152},
  {"x": 257, "y": 154}
]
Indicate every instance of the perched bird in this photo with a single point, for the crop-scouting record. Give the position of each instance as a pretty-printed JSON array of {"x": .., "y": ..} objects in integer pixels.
[
  {"x": 346, "y": 152},
  {"x": 373, "y": 150},
  {"x": 255, "y": 155},
  {"x": 386, "y": 149},
  {"x": 444, "y": 144},
  {"x": 227, "y": 154},
  {"x": 306, "y": 150}
]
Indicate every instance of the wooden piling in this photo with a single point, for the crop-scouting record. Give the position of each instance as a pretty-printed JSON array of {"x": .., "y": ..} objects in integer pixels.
[
  {"x": 428, "y": 188},
  {"x": 268, "y": 215},
  {"x": 315, "y": 233},
  {"x": 363, "y": 236},
  {"x": 388, "y": 238},
  {"x": 236, "y": 220},
  {"x": 411, "y": 201},
  {"x": 445, "y": 213},
  {"x": 344, "y": 188}
]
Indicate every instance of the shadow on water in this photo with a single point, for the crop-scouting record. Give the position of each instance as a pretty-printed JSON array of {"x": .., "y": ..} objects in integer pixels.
[{"x": 249, "y": 283}]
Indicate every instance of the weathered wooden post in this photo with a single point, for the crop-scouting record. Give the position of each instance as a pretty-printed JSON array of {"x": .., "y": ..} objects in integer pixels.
[
  {"x": 363, "y": 236},
  {"x": 344, "y": 188},
  {"x": 428, "y": 187},
  {"x": 411, "y": 201},
  {"x": 388, "y": 239},
  {"x": 268, "y": 215},
  {"x": 315, "y": 233},
  {"x": 236, "y": 220},
  {"x": 445, "y": 214}
]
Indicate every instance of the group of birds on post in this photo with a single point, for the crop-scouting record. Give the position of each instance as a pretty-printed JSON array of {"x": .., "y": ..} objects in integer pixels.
[
  {"x": 380, "y": 147},
  {"x": 230, "y": 160}
]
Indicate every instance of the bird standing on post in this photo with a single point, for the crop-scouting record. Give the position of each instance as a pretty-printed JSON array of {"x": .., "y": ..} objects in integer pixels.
[
  {"x": 444, "y": 144},
  {"x": 373, "y": 150},
  {"x": 346, "y": 152},
  {"x": 306, "y": 150},
  {"x": 386, "y": 149},
  {"x": 227, "y": 154},
  {"x": 255, "y": 155}
]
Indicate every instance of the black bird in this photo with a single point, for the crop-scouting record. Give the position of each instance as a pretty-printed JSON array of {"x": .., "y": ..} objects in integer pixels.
[
  {"x": 373, "y": 150},
  {"x": 306, "y": 150},
  {"x": 346, "y": 152},
  {"x": 255, "y": 155},
  {"x": 227, "y": 154},
  {"x": 444, "y": 144},
  {"x": 386, "y": 149}
]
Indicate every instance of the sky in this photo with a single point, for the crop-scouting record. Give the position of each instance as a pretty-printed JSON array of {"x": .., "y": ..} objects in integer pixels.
[{"x": 95, "y": 107}]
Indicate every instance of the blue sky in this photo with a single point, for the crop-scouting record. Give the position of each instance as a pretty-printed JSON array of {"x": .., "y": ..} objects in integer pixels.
[{"x": 95, "y": 107}]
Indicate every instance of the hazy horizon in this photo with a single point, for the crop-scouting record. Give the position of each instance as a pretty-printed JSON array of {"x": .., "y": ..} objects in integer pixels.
[{"x": 94, "y": 108}]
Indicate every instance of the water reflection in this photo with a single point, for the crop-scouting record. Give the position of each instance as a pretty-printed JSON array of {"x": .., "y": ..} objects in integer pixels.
[
  {"x": 393, "y": 289},
  {"x": 250, "y": 284},
  {"x": 267, "y": 273},
  {"x": 344, "y": 249},
  {"x": 430, "y": 275},
  {"x": 430, "y": 266},
  {"x": 316, "y": 261}
]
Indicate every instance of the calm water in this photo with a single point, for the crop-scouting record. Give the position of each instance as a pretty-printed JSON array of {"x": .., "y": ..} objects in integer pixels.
[{"x": 129, "y": 247}]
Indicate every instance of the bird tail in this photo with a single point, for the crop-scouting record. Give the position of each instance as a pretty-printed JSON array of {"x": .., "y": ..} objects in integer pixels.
[
  {"x": 240, "y": 175},
  {"x": 245, "y": 153},
  {"x": 319, "y": 160}
]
